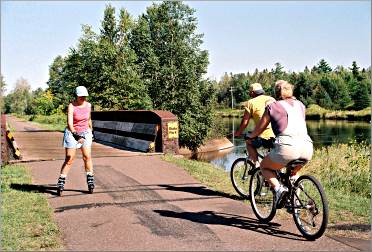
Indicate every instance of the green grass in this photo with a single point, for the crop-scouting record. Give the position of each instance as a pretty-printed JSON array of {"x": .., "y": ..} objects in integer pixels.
[
  {"x": 26, "y": 222},
  {"x": 317, "y": 112},
  {"x": 56, "y": 122},
  {"x": 343, "y": 170}
]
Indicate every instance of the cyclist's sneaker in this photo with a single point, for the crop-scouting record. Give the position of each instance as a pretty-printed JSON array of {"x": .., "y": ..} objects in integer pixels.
[
  {"x": 257, "y": 164},
  {"x": 312, "y": 207},
  {"x": 61, "y": 185},
  {"x": 90, "y": 181},
  {"x": 279, "y": 196}
]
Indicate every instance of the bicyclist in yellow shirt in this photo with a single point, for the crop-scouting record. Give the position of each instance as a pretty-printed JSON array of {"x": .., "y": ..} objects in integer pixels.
[{"x": 255, "y": 108}]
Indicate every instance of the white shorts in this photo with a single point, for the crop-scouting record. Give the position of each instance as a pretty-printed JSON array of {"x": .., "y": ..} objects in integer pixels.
[
  {"x": 70, "y": 142},
  {"x": 287, "y": 149}
]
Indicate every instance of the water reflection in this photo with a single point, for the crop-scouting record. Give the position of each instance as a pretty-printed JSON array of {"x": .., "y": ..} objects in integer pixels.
[
  {"x": 327, "y": 132},
  {"x": 210, "y": 155},
  {"x": 323, "y": 133}
]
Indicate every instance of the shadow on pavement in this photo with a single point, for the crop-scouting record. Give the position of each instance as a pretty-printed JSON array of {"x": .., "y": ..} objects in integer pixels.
[
  {"x": 352, "y": 226},
  {"x": 201, "y": 190},
  {"x": 33, "y": 130},
  {"x": 213, "y": 218},
  {"x": 51, "y": 189}
]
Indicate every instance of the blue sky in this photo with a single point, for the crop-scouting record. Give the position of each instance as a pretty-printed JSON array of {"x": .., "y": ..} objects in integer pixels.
[{"x": 239, "y": 35}]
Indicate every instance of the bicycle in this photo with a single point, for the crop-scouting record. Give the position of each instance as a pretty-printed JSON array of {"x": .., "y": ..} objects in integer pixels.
[
  {"x": 242, "y": 169},
  {"x": 305, "y": 200}
]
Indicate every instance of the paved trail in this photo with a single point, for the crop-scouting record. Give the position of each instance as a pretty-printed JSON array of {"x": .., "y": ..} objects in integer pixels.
[{"x": 143, "y": 203}]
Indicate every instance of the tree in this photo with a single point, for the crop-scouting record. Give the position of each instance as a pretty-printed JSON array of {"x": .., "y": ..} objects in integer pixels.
[
  {"x": 278, "y": 71},
  {"x": 354, "y": 69},
  {"x": 109, "y": 30},
  {"x": 323, "y": 67},
  {"x": 105, "y": 64},
  {"x": 172, "y": 65},
  {"x": 57, "y": 84},
  {"x": 241, "y": 85},
  {"x": 2, "y": 90},
  {"x": 321, "y": 97},
  {"x": 223, "y": 89},
  {"x": 19, "y": 99},
  {"x": 42, "y": 102},
  {"x": 336, "y": 89},
  {"x": 360, "y": 94}
]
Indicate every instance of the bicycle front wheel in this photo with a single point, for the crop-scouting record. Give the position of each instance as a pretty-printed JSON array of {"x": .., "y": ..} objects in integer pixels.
[
  {"x": 239, "y": 174},
  {"x": 310, "y": 207},
  {"x": 262, "y": 197}
]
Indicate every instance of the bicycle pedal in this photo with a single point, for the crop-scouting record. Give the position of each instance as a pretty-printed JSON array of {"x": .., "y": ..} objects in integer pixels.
[
  {"x": 289, "y": 209},
  {"x": 250, "y": 172}
]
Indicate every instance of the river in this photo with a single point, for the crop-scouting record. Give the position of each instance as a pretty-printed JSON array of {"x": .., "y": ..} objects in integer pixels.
[{"x": 323, "y": 133}]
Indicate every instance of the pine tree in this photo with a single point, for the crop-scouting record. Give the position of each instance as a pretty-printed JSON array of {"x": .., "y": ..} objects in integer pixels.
[
  {"x": 354, "y": 69},
  {"x": 323, "y": 67}
]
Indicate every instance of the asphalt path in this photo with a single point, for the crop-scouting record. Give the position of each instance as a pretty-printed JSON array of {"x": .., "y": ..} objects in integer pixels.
[{"x": 144, "y": 203}]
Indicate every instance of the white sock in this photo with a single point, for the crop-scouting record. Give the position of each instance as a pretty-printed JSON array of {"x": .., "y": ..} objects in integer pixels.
[
  {"x": 62, "y": 176},
  {"x": 89, "y": 173}
]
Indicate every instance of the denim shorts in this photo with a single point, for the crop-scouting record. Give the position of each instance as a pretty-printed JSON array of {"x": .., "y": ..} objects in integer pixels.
[{"x": 70, "y": 142}]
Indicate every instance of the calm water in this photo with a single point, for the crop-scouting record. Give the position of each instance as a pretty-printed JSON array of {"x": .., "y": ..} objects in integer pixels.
[{"x": 323, "y": 133}]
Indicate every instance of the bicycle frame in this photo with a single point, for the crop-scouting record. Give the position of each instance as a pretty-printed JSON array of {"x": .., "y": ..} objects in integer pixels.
[{"x": 292, "y": 190}]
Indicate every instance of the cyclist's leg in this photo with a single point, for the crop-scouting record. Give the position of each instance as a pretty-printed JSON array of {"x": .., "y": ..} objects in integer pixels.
[
  {"x": 268, "y": 168},
  {"x": 252, "y": 146}
]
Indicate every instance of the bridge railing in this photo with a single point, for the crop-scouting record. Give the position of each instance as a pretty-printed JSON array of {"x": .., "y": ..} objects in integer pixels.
[{"x": 142, "y": 130}]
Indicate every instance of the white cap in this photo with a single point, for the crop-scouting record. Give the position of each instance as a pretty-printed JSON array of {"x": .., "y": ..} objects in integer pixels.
[
  {"x": 81, "y": 91},
  {"x": 257, "y": 88}
]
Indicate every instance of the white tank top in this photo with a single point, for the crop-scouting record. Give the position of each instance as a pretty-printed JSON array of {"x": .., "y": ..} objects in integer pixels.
[{"x": 296, "y": 126}]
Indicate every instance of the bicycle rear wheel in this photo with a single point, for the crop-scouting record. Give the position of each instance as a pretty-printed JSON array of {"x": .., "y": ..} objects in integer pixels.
[
  {"x": 262, "y": 197},
  {"x": 239, "y": 174},
  {"x": 310, "y": 207}
]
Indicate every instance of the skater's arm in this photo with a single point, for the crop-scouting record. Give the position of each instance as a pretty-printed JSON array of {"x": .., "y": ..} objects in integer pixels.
[{"x": 70, "y": 119}]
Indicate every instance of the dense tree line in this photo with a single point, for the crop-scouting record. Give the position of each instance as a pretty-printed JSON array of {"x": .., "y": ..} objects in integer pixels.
[
  {"x": 339, "y": 89},
  {"x": 154, "y": 62}
]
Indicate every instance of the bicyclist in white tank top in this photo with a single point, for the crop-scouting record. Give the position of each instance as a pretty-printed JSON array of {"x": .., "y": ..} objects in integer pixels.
[{"x": 287, "y": 117}]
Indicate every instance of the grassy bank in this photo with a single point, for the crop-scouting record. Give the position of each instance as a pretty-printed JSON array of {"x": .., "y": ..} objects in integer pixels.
[
  {"x": 228, "y": 112},
  {"x": 314, "y": 112},
  {"x": 317, "y": 112},
  {"x": 344, "y": 171},
  {"x": 27, "y": 222},
  {"x": 56, "y": 122}
]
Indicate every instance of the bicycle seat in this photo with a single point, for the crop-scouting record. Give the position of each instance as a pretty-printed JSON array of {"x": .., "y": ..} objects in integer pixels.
[{"x": 296, "y": 162}]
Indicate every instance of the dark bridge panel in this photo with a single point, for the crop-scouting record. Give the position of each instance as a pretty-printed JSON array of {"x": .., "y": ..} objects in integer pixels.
[{"x": 143, "y": 130}]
